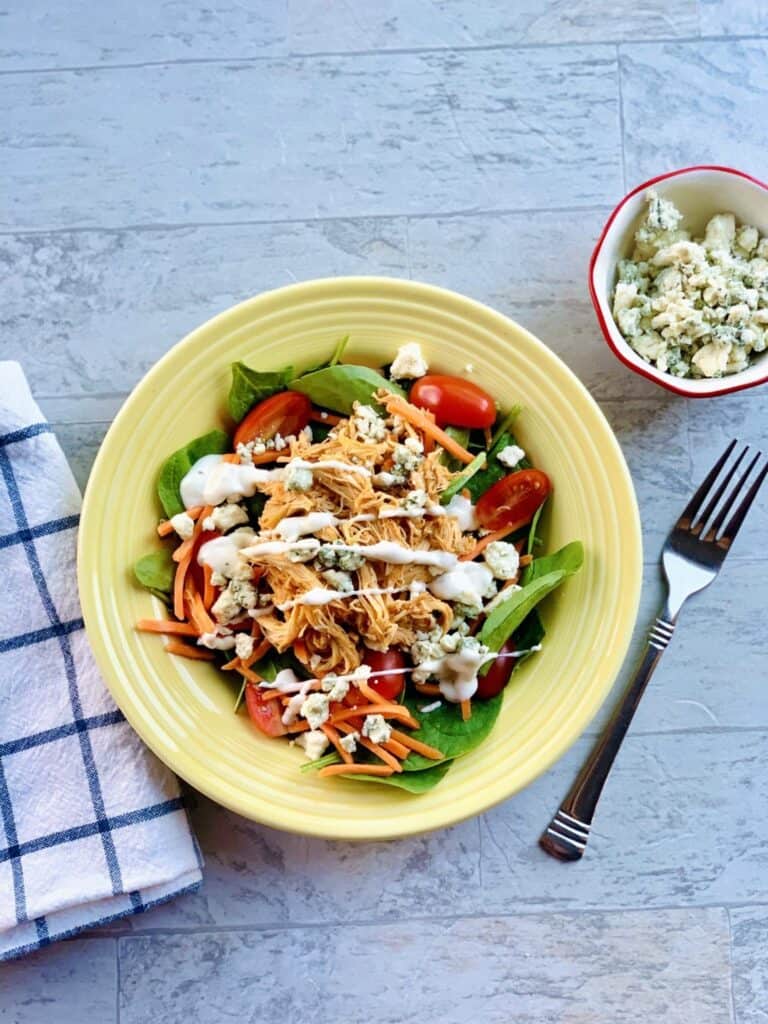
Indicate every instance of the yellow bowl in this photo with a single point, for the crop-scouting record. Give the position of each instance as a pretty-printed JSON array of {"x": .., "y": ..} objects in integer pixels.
[{"x": 183, "y": 709}]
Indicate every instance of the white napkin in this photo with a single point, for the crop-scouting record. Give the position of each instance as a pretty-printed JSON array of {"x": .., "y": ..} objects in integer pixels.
[{"x": 92, "y": 825}]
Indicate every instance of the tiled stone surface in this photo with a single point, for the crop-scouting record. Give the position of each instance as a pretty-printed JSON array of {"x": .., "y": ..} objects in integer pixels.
[
  {"x": 72, "y": 981},
  {"x": 475, "y": 129},
  {"x": 749, "y": 928},
  {"x": 670, "y": 966},
  {"x": 483, "y": 153}
]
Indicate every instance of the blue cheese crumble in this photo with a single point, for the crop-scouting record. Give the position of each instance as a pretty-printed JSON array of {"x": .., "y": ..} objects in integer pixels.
[
  {"x": 694, "y": 307},
  {"x": 376, "y": 729}
]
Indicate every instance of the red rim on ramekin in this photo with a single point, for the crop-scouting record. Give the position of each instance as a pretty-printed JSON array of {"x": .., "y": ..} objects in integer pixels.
[{"x": 659, "y": 377}]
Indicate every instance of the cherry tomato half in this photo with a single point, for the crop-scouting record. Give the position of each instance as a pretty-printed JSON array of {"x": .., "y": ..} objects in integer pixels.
[
  {"x": 265, "y": 714},
  {"x": 387, "y": 687},
  {"x": 512, "y": 501},
  {"x": 497, "y": 676},
  {"x": 454, "y": 401},
  {"x": 286, "y": 413}
]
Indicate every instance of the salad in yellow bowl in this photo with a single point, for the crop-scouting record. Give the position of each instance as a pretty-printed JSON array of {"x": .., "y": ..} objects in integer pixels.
[{"x": 361, "y": 557}]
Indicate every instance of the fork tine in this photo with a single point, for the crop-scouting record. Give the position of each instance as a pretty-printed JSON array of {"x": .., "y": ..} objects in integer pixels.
[
  {"x": 704, "y": 517},
  {"x": 729, "y": 533},
  {"x": 714, "y": 527},
  {"x": 699, "y": 497}
]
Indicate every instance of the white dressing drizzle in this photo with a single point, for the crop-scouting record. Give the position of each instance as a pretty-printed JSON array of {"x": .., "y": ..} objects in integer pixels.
[
  {"x": 383, "y": 551},
  {"x": 210, "y": 481},
  {"x": 224, "y": 554},
  {"x": 467, "y": 582},
  {"x": 318, "y": 596},
  {"x": 193, "y": 482},
  {"x": 288, "y": 682}
]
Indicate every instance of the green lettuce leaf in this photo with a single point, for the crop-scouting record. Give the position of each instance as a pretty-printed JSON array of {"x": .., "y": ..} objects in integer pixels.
[
  {"x": 155, "y": 571},
  {"x": 411, "y": 781},
  {"x": 339, "y": 387},
  {"x": 176, "y": 467},
  {"x": 251, "y": 386},
  {"x": 445, "y": 729}
]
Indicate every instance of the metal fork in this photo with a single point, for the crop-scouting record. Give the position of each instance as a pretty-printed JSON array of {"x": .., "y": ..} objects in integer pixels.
[{"x": 692, "y": 557}]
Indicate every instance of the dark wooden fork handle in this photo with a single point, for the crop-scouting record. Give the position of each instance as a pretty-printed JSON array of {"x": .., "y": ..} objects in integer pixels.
[{"x": 567, "y": 834}]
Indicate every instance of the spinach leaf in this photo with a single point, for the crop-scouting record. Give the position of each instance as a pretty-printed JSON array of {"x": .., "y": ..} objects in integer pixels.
[
  {"x": 155, "y": 571},
  {"x": 176, "y": 467},
  {"x": 507, "y": 616},
  {"x": 445, "y": 729},
  {"x": 338, "y": 351},
  {"x": 251, "y": 386},
  {"x": 460, "y": 482},
  {"x": 462, "y": 435},
  {"x": 411, "y": 781},
  {"x": 494, "y": 470},
  {"x": 532, "y": 540},
  {"x": 504, "y": 425},
  {"x": 569, "y": 559},
  {"x": 339, "y": 387}
]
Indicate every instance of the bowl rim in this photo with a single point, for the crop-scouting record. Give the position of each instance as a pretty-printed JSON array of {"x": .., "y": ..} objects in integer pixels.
[
  {"x": 212, "y": 787},
  {"x": 665, "y": 380}
]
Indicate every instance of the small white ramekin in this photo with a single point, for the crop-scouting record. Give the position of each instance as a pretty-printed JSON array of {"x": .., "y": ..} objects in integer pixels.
[{"x": 699, "y": 193}]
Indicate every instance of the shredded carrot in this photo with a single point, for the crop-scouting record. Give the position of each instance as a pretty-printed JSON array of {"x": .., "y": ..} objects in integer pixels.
[
  {"x": 231, "y": 457},
  {"x": 297, "y": 727},
  {"x": 178, "y": 586},
  {"x": 270, "y": 694},
  {"x": 466, "y": 493},
  {"x": 526, "y": 560},
  {"x": 489, "y": 538},
  {"x": 421, "y": 748},
  {"x": 197, "y": 613},
  {"x": 417, "y": 418},
  {"x": 427, "y": 439},
  {"x": 381, "y": 753},
  {"x": 188, "y": 651},
  {"x": 355, "y": 769},
  {"x": 488, "y": 437},
  {"x": 370, "y": 693},
  {"x": 428, "y": 689},
  {"x": 208, "y": 591},
  {"x": 184, "y": 550},
  {"x": 165, "y": 529},
  {"x": 386, "y": 710},
  {"x": 252, "y": 677},
  {"x": 325, "y": 417},
  {"x": 466, "y": 710},
  {"x": 268, "y": 456},
  {"x": 166, "y": 626},
  {"x": 300, "y": 650},
  {"x": 335, "y": 739},
  {"x": 258, "y": 653},
  {"x": 398, "y": 749}
]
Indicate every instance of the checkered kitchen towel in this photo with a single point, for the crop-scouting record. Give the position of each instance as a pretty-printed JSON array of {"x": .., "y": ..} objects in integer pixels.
[{"x": 91, "y": 824}]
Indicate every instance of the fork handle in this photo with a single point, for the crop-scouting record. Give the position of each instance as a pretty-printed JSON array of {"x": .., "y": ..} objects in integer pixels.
[{"x": 567, "y": 834}]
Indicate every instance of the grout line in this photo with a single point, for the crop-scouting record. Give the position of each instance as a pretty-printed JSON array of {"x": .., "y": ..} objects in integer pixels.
[
  {"x": 520, "y": 910},
  {"x": 621, "y": 120},
  {"x": 298, "y": 56},
  {"x": 330, "y": 219},
  {"x": 732, "y": 993}
]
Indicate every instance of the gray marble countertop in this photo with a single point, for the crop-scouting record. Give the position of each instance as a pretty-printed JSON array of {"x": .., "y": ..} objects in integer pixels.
[{"x": 161, "y": 161}]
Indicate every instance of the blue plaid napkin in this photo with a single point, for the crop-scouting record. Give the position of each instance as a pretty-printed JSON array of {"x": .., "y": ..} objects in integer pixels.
[{"x": 91, "y": 823}]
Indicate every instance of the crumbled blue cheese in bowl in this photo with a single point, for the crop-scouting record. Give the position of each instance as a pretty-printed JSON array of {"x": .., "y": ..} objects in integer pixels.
[{"x": 694, "y": 307}]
